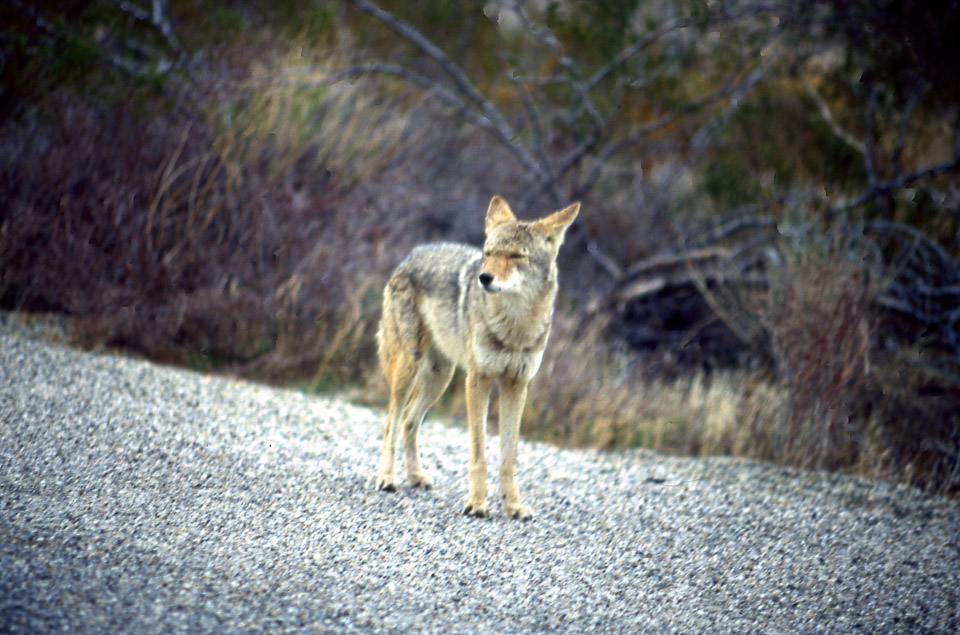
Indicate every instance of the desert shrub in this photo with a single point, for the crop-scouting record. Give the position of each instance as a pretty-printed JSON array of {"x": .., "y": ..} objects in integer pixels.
[
  {"x": 818, "y": 315},
  {"x": 862, "y": 348},
  {"x": 190, "y": 241}
]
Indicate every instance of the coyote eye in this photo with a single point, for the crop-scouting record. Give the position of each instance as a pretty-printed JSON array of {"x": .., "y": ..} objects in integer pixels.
[{"x": 517, "y": 256}]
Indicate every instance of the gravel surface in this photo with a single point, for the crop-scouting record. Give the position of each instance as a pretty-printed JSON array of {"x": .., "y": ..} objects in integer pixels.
[{"x": 140, "y": 498}]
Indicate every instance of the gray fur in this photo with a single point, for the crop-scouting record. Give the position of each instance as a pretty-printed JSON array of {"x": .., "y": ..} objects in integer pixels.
[{"x": 437, "y": 314}]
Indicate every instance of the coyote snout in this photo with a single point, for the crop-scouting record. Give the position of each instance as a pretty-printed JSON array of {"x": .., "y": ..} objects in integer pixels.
[
  {"x": 502, "y": 266},
  {"x": 490, "y": 283},
  {"x": 487, "y": 311}
]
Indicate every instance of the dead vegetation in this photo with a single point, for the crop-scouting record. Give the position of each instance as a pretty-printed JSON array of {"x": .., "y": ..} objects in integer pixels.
[{"x": 241, "y": 213}]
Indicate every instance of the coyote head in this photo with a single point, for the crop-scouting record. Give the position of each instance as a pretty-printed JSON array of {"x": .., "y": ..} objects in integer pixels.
[{"x": 518, "y": 255}]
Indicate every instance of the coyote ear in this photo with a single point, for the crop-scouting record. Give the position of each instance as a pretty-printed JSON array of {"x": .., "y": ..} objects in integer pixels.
[
  {"x": 556, "y": 224},
  {"x": 498, "y": 213}
]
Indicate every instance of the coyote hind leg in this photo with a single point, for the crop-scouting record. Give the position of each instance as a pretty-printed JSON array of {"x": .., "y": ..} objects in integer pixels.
[
  {"x": 431, "y": 380},
  {"x": 400, "y": 372}
]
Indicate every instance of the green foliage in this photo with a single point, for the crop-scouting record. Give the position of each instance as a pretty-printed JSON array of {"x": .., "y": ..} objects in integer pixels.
[
  {"x": 756, "y": 144},
  {"x": 205, "y": 22},
  {"x": 595, "y": 30},
  {"x": 895, "y": 42},
  {"x": 79, "y": 45},
  {"x": 729, "y": 180},
  {"x": 318, "y": 22},
  {"x": 225, "y": 25},
  {"x": 74, "y": 57}
]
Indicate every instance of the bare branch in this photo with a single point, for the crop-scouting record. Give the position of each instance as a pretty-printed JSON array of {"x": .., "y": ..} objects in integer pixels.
[
  {"x": 616, "y": 145},
  {"x": 868, "y": 136},
  {"x": 882, "y": 188},
  {"x": 431, "y": 88},
  {"x": 550, "y": 178},
  {"x": 581, "y": 88},
  {"x": 702, "y": 138},
  {"x": 925, "y": 317},
  {"x": 137, "y": 12},
  {"x": 828, "y": 117},
  {"x": 608, "y": 264},
  {"x": 161, "y": 21},
  {"x": 915, "y": 235},
  {"x": 584, "y": 102},
  {"x": 667, "y": 260},
  {"x": 632, "y": 50},
  {"x": 503, "y": 130},
  {"x": 915, "y": 94},
  {"x": 736, "y": 225},
  {"x": 157, "y": 62},
  {"x": 38, "y": 20},
  {"x": 747, "y": 11},
  {"x": 529, "y": 105},
  {"x": 156, "y": 17}
]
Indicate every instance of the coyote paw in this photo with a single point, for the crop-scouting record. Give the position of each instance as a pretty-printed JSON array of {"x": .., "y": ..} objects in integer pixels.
[
  {"x": 477, "y": 510},
  {"x": 386, "y": 484},
  {"x": 420, "y": 480},
  {"x": 520, "y": 512}
]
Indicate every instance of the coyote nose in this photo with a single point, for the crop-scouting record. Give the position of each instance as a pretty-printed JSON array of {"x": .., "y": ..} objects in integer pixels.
[{"x": 485, "y": 278}]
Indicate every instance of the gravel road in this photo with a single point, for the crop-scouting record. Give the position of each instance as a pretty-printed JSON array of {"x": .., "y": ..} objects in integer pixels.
[{"x": 140, "y": 498}]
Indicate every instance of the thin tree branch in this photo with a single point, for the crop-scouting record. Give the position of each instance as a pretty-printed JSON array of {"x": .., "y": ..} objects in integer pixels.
[
  {"x": 565, "y": 164},
  {"x": 584, "y": 102},
  {"x": 868, "y": 136},
  {"x": 38, "y": 20},
  {"x": 915, "y": 235},
  {"x": 703, "y": 136},
  {"x": 567, "y": 63},
  {"x": 881, "y": 188},
  {"x": 460, "y": 79},
  {"x": 632, "y": 50},
  {"x": 828, "y": 117},
  {"x": 915, "y": 94},
  {"x": 750, "y": 10},
  {"x": 648, "y": 128},
  {"x": 431, "y": 88},
  {"x": 156, "y": 17},
  {"x": 529, "y": 105}
]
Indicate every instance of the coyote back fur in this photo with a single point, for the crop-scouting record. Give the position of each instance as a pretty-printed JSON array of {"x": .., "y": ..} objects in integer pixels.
[{"x": 487, "y": 311}]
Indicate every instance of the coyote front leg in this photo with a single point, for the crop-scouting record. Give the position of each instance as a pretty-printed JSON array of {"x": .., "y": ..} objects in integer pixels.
[
  {"x": 513, "y": 395},
  {"x": 478, "y": 400}
]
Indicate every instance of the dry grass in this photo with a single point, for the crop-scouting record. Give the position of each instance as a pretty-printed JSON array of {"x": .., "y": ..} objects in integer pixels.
[
  {"x": 588, "y": 394},
  {"x": 287, "y": 113}
]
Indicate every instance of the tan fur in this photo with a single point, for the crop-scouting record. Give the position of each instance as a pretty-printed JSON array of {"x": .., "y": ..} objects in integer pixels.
[{"x": 486, "y": 311}]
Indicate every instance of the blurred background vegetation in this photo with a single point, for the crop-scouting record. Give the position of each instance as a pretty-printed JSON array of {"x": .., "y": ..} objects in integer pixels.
[{"x": 766, "y": 264}]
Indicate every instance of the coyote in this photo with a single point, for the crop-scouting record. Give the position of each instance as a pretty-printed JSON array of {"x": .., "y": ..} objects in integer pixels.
[{"x": 487, "y": 311}]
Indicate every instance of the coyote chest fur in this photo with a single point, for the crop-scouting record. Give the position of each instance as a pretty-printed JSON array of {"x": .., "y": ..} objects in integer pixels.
[{"x": 487, "y": 311}]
